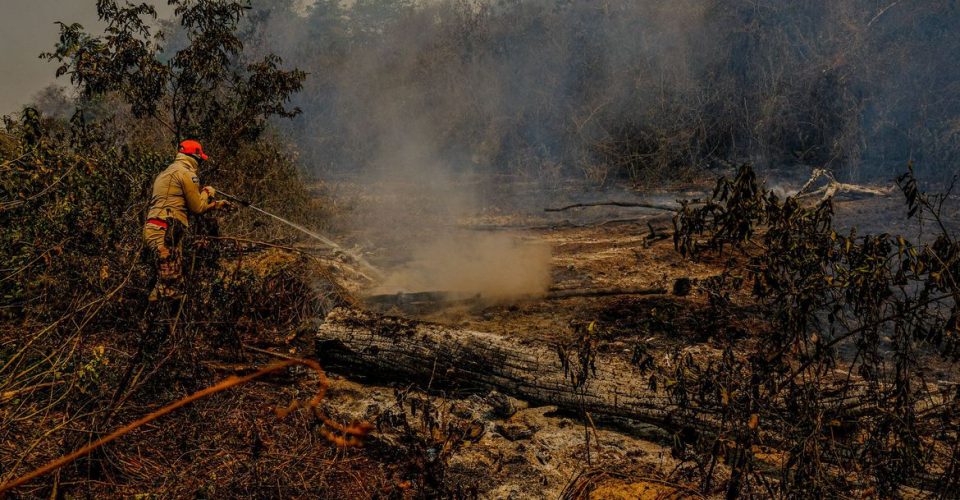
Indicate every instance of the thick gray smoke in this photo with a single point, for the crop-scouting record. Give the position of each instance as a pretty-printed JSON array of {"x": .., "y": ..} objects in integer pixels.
[
  {"x": 422, "y": 98},
  {"x": 625, "y": 88}
]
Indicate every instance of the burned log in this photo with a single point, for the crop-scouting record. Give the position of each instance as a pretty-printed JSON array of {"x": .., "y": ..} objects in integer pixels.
[
  {"x": 434, "y": 354},
  {"x": 835, "y": 187},
  {"x": 616, "y": 391},
  {"x": 624, "y": 204}
]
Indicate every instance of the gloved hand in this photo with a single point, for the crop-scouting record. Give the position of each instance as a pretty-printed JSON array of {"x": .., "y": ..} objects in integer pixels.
[
  {"x": 223, "y": 205},
  {"x": 211, "y": 192}
]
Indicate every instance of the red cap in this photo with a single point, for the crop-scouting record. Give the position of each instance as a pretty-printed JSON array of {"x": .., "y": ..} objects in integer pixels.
[{"x": 191, "y": 147}]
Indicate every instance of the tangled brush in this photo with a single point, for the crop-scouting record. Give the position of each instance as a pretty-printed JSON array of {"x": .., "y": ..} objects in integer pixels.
[{"x": 340, "y": 435}]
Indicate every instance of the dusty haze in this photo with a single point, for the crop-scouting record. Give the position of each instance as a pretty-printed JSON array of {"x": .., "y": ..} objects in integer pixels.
[
  {"x": 410, "y": 98},
  {"x": 622, "y": 88},
  {"x": 495, "y": 266},
  {"x": 420, "y": 200}
]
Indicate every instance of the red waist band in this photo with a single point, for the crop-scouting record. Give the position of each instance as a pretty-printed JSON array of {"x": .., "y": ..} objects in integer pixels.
[{"x": 158, "y": 222}]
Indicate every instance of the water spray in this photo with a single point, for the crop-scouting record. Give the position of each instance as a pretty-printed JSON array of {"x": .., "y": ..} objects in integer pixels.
[{"x": 376, "y": 273}]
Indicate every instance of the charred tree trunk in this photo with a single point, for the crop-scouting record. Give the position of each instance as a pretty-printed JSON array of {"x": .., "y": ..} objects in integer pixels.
[
  {"x": 615, "y": 391},
  {"x": 437, "y": 355}
]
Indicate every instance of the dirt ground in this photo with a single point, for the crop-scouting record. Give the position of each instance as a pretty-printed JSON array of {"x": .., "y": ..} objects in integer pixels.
[
  {"x": 538, "y": 452},
  {"x": 591, "y": 257},
  {"x": 459, "y": 441},
  {"x": 593, "y": 248},
  {"x": 590, "y": 248}
]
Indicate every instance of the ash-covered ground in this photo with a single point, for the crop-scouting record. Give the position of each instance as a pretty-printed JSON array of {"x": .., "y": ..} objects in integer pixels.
[{"x": 522, "y": 450}]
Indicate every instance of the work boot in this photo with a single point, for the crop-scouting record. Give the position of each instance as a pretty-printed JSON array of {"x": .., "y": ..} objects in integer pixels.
[{"x": 165, "y": 291}]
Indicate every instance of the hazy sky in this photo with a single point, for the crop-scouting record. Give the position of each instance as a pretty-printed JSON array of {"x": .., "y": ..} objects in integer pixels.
[{"x": 26, "y": 29}]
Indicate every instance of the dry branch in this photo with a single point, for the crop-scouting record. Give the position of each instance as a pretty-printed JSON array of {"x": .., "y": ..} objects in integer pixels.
[
  {"x": 835, "y": 187},
  {"x": 626, "y": 204},
  {"x": 352, "y": 432}
]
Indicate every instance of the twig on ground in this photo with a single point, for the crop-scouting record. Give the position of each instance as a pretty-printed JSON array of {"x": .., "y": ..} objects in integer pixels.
[
  {"x": 625, "y": 204},
  {"x": 352, "y": 434}
]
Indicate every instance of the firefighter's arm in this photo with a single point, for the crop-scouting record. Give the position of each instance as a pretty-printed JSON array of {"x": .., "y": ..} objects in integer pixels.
[
  {"x": 198, "y": 200},
  {"x": 215, "y": 204}
]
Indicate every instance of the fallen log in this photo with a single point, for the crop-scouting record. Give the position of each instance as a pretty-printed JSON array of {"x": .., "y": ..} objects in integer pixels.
[
  {"x": 536, "y": 372},
  {"x": 616, "y": 391},
  {"x": 834, "y": 188},
  {"x": 436, "y": 300},
  {"x": 434, "y": 354}
]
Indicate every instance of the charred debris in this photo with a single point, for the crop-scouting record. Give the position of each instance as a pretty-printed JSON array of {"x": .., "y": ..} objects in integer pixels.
[{"x": 708, "y": 279}]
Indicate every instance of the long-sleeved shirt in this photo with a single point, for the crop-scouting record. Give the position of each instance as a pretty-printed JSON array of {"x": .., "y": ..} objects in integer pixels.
[{"x": 177, "y": 190}]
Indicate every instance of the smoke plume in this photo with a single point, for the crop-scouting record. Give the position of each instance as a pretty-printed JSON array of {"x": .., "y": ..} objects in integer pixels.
[{"x": 434, "y": 103}]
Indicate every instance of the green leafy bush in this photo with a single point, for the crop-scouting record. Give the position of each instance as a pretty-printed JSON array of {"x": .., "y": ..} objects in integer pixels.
[
  {"x": 74, "y": 209},
  {"x": 840, "y": 377}
]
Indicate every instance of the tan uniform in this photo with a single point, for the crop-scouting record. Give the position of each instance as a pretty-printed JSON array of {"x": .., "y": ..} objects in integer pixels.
[{"x": 176, "y": 191}]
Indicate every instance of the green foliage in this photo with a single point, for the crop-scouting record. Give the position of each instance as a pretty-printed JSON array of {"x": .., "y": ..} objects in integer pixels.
[
  {"x": 204, "y": 90},
  {"x": 838, "y": 373},
  {"x": 74, "y": 210},
  {"x": 74, "y": 193},
  {"x": 80, "y": 342}
]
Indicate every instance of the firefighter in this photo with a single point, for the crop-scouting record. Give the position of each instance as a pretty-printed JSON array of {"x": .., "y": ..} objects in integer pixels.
[{"x": 176, "y": 194}]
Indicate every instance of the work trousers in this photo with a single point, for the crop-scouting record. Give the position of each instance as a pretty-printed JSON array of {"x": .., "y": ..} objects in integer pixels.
[{"x": 164, "y": 244}]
